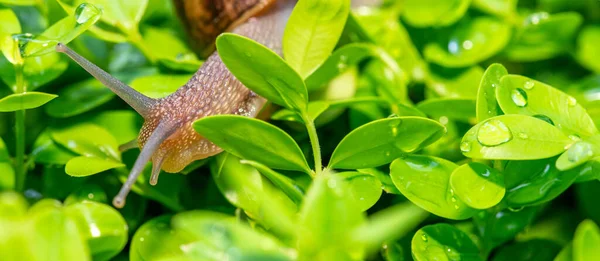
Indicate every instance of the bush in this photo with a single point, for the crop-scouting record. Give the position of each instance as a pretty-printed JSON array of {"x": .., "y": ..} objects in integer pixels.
[{"x": 418, "y": 129}]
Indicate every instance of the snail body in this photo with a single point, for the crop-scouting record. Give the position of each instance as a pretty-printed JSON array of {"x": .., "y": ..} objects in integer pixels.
[{"x": 167, "y": 137}]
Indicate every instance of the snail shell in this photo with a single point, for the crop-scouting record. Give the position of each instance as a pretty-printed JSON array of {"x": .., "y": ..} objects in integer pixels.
[{"x": 204, "y": 20}]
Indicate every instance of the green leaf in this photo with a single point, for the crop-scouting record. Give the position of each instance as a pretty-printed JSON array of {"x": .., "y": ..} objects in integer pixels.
[
  {"x": 386, "y": 181},
  {"x": 177, "y": 56},
  {"x": 535, "y": 182},
  {"x": 462, "y": 109},
  {"x": 157, "y": 240},
  {"x": 10, "y": 26},
  {"x": 79, "y": 98},
  {"x": 328, "y": 215},
  {"x": 364, "y": 188},
  {"x": 454, "y": 83},
  {"x": 262, "y": 71},
  {"x": 577, "y": 154},
  {"x": 54, "y": 229},
  {"x": 287, "y": 185},
  {"x": 160, "y": 85},
  {"x": 88, "y": 165},
  {"x": 383, "y": 27},
  {"x": 247, "y": 189},
  {"x": 472, "y": 42},
  {"x": 312, "y": 32},
  {"x": 478, "y": 185},
  {"x": 487, "y": 106},
  {"x": 7, "y": 173},
  {"x": 543, "y": 36},
  {"x": 425, "y": 181},
  {"x": 443, "y": 242},
  {"x": 586, "y": 241},
  {"x": 587, "y": 49},
  {"x": 88, "y": 140},
  {"x": 102, "y": 226},
  {"x": 63, "y": 31},
  {"x": 566, "y": 254},
  {"x": 86, "y": 192},
  {"x": 214, "y": 235},
  {"x": 379, "y": 142},
  {"x": 20, "y": 2},
  {"x": 521, "y": 95},
  {"x": 513, "y": 137},
  {"x": 124, "y": 125},
  {"x": 391, "y": 223},
  {"x": 536, "y": 249},
  {"x": 37, "y": 71},
  {"x": 45, "y": 150},
  {"x": 497, "y": 226},
  {"x": 501, "y": 8},
  {"x": 314, "y": 110},
  {"x": 253, "y": 139},
  {"x": 24, "y": 101},
  {"x": 97, "y": 147},
  {"x": 589, "y": 171},
  {"x": 347, "y": 57},
  {"x": 124, "y": 15},
  {"x": 425, "y": 13}
]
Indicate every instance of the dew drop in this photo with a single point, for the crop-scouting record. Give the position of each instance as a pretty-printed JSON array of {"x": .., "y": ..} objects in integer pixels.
[
  {"x": 579, "y": 152},
  {"x": 465, "y": 146},
  {"x": 574, "y": 137},
  {"x": 456, "y": 206},
  {"x": 394, "y": 123},
  {"x": 443, "y": 120},
  {"x": 331, "y": 183},
  {"x": 571, "y": 101},
  {"x": 493, "y": 133},
  {"x": 86, "y": 12},
  {"x": 453, "y": 46},
  {"x": 523, "y": 135},
  {"x": 529, "y": 85},
  {"x": 453, "y": 199},
  {"x": 519, "y": 97},
  {"x": 424, "y": 237},
  {"x": 467, "y": 45}
]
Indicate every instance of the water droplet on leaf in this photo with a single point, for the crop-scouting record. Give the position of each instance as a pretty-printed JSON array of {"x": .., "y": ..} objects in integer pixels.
[
  {"x": 86, "y": 12},
  {"x": 571, "y": 101},
  {"x": 493, "y": 133},
  {"x": 529, "y": 85},
  {"x": 424, "y": 237},
  {"x": 519, "y": 97},
  {"x": 579, "y": 151},
  {"x": 465, "y": 146},
  {"x": 523, "y": 135}
]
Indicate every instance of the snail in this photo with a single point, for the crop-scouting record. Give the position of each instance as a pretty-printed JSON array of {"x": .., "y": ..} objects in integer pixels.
[{"x": 167, "y": 138}]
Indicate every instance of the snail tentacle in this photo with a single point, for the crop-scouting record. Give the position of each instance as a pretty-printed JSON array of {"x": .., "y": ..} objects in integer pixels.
[{"x": 139, "y": 102}]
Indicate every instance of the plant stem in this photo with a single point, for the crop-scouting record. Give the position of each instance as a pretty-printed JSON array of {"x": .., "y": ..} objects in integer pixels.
[
  {"x": 20, "y": 170},
  {"x": 314, "y": 141}
]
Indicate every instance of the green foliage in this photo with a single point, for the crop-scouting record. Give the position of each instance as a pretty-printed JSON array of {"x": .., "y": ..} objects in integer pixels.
[{"x": 414, "y": 130}]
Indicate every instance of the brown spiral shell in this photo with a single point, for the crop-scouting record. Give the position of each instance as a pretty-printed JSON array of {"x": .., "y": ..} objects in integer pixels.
[{"x": 204, "y": 20}]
